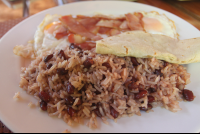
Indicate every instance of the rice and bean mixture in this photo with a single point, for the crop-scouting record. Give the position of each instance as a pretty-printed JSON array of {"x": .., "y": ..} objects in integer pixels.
[{"x": 75, "y": 84}]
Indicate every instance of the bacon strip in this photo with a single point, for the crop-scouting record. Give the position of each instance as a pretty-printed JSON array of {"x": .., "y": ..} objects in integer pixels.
[
  {"x": 71, "y": 23},
  {"x": 104, "y": 30},
  {"x": 114, "y": 32},
  {"x": 124, "y": 25},
  {"x": 82, "y": 16},
  {"x": 134, "y": 21},
  {"x": 86, "y": 22},
  {"x": 90, "y": 24},
  {"x": 140, "y": 16},
  {"x": 61, "y": 32},
  {"x": 60, "y": 35},
  {"x": 109, "y": 23},
  {"x": 87, "y": 45}
]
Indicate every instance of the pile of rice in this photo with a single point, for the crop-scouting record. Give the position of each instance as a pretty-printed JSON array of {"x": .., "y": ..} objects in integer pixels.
[{"x": 106, "y": 88}]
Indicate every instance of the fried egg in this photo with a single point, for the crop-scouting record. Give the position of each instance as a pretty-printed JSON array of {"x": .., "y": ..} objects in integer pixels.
[
  {"x": 156, "y": 23},
  {"x": 45, "y": 35},
  {"x": 44, "y": 38}
]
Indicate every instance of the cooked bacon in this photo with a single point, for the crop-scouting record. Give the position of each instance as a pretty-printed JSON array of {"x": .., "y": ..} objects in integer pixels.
[
  {"x": 82, "y": 17},
  {"x": 104, "y": 30},
  {"x": 125, "y": 30},
  {"x": 75, "y": 38},
  {"x": 140, "y": 16},
  {"x": 87, "y": 22},
  {"x": 124, "y": 25},
  {"x": 96, "y": 38},
  {"x": 109, "y": 23},
  {"x": 93, "y": 29},
  {"x": 90, "y": 24},
  {"x": 87, "y": 45},
  {"x": 60, "y": 35},
  {"x": 71, "y": 38},
  {"x": 72, "y": 24},
  {"x": 60, "y": 32},
  {"x": 134, "y": 21},
  {"x": 89, "y": 27},
  {"x": 114, "y": 32}
]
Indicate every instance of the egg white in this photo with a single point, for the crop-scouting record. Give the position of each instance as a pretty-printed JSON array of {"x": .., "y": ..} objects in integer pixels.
[
  {"x": 153, "y": 22},
  {"x": 156, "y": 23},
  {"x": 44, "y": 41}
]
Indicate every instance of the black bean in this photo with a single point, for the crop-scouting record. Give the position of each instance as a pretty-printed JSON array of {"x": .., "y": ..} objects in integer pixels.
[
  {"x": 80, "y": 53},
  {"x": 112, "y": 100},
  {"x": 125, "y": 93},
  {"x": 48, "y": 57},
  {"x": 69, "y": 100},
  {"x": 112, "y": 89},
  {"x": 188, "y": 95},
  {"x": 134, "y": 79},
  {"x": 151, "y": 99},
  {"x": 71, "y": 111},
  {"x": 141, "y": 94},
  {"x": 84, "y": 88},
  {"x": 49, "y": 66},
  {"x": 44, "y": 96},
  {"x": 113, "y": 112},
  {"x": 107, "y": 65},
  {"x": 149, "y": 106},
  {"x": 134, "y": 61},
  {"x": 62, "y": 71},
  {"x": 158, "y": 72},
  {"x": 97, "y": 104},
  {"x": 62, "y": 54},
  {"x": 70, "y": 88},
  {"x": 97, "y": 112},
  {"x": 88, "y": 63},
  {"x": 165, "y": 63},
  {"x": 152, "y": 90},
  {"x": 73, "y": 46},
  {"x": 132, "y": 85},
  {"x": 127, "y": 83},
  {"x": 43, "y": 105},
  {"x": 124, "y": 66}
]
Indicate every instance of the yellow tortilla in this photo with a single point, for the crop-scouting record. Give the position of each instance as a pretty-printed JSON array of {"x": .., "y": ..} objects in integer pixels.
[{"x": 145, "y": 45}]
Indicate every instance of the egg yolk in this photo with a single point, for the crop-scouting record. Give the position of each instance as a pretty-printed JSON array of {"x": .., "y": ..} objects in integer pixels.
[{"x": 152, "y": 24}]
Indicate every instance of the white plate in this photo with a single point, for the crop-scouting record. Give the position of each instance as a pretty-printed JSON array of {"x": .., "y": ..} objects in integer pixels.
[{"x": 20, "y": 118}]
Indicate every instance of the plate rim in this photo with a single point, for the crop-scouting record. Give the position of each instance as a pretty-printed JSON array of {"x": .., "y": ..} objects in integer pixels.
[{"x": 35, "y": 15}]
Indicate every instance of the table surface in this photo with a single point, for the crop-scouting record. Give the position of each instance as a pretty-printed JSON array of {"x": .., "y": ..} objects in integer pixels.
[{"x": 187, "y": 10}]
